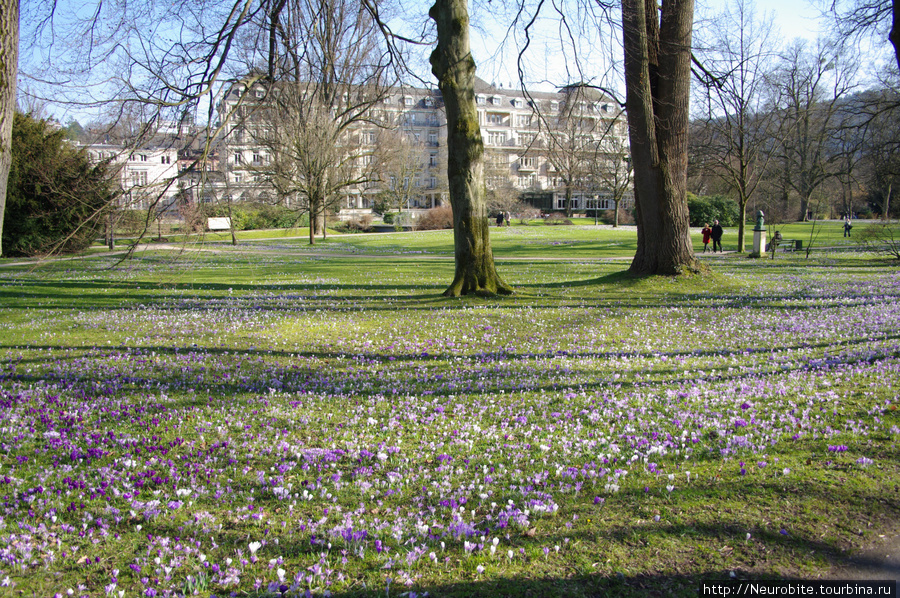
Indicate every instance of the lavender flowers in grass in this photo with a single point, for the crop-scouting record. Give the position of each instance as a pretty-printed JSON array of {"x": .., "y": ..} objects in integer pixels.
[{"x": 292, "y": 435}]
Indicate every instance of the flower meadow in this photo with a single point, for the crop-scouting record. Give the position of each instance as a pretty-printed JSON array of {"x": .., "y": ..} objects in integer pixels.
[{"x": 258, "y": 423}]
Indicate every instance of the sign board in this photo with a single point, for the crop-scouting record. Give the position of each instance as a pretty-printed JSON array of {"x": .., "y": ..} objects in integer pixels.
[{"x": 218, "y": 223}]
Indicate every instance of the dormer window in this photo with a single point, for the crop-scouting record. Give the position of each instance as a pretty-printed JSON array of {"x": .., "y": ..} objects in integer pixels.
[{"x": 480, "y": 100}]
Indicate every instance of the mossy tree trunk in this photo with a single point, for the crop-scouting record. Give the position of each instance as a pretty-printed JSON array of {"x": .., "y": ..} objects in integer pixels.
[
  {"x": 657, "y": 45},
  {"x": 454, "y": 67},
  {"x": 9, "y": 64}
]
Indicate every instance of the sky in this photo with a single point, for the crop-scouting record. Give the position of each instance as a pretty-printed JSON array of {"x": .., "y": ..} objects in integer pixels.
[
  {"x": 546, "y": 67},
  {"x": 794, "y": 18}
]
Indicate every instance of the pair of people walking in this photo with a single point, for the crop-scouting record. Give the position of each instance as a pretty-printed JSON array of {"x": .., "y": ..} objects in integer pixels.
[{"x": 713, "y": 233}]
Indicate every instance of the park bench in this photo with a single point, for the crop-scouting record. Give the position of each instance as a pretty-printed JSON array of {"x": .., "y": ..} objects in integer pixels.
[{"x": 787, "y": 244}]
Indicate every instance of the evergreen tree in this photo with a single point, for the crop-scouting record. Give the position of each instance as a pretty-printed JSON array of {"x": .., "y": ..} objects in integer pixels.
[{"x": 56, "y": 199}]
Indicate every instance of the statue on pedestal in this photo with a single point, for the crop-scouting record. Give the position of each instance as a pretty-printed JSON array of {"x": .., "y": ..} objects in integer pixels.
[{"x": 760, "y": 221}]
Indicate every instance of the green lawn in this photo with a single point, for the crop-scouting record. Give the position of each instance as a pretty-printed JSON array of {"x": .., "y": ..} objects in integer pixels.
[{"x": 268, "y": 419}]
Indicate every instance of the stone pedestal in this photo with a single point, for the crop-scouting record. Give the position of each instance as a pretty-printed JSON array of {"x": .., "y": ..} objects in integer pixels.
[{"x": 759, "y": 242}]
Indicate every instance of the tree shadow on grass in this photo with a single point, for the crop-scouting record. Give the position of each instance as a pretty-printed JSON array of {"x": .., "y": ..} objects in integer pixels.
[{"x": 221, "y": 369}]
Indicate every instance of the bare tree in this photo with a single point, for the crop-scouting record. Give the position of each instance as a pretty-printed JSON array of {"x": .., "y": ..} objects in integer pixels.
[
  {"x": 570, "y": 140},
  {"x": 400, "y": 166},
  {"x": 861, "y": 18},
  {"x": 812, "y": 85},
  {"x": 881, "y": 152},
  {"x": 329, "y": 78},
  {"x": 454, "y": 67},
  {"x": 736, "y": 124},
  {"x": 611, "y": 167},
  {"x": 657, "y": 44},
  {"x": 500, "y": 193}
]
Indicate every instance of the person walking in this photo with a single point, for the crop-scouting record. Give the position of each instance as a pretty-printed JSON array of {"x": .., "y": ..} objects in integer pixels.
[
  {"x": 847, "y": 227},
  {"x": 707, "y": 234},
  {"x": 716, "y": 233}
]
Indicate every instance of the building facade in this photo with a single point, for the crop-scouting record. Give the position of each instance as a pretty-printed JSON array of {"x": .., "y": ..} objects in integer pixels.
[
  {"x": 556, "y": 151},
  {"x": 148, "y": 176},
  {"x": 565, "y": 150}
]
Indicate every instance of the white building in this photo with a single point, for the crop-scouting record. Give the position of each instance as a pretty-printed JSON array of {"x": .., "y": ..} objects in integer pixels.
[
  {"x": 147, "y": 176},
  {"x": 546, "y": 146}
]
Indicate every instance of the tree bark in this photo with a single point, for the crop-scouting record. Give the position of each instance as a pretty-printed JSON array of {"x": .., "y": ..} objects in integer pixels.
[
  {"x": 657, "y": 92},
  {"x": 454, "y": 67},
  {"x": 9, "y": 64}
]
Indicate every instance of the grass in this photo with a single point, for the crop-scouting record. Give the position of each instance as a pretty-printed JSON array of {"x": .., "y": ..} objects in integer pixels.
[{"x": 246, "y": 420}]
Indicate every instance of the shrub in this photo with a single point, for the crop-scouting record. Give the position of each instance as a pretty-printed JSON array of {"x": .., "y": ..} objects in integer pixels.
[
  {"x": 609, "y": 217},
  {"x": 56, "y": 199},
  {"x": 525, "y": 213},
  {"x": 131, "y": 223},
  {"x": 883, "y": 238},
  {"x": 355, "y": 225},
  {"x": 705, "y": 209},
  {"x": 256, "y": 216},
  {"x": 437, "y": 218},
  {"x": 556, "y": 219}
]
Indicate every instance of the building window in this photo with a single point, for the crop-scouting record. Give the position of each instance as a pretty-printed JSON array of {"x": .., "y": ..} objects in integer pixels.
[
  {"x": 139, "y": 178},
  {"x": 496, "y": 138},
  {"x": 480, "y": 99},
  {"x": 238, "y": 158},
  {"x": 432, "y": 138},
  {"x": 433, "y": 160},
  {"x": 238, "y": 178},
  {"x": 495, "y": 119},
  {"x": 257, "y": 159},
  {"x": 166, "y": 159}
]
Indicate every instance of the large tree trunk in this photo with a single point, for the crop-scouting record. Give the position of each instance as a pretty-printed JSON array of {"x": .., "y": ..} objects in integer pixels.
[
  {"x": 804, "y": 208},
  {"x": 657, "y": 88},
  {"x": 742, "y": 223},
  {"x": 313, "y": 220},
  {"x": 9, "y": 63},
  {"x": 454, "y": 67}
]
